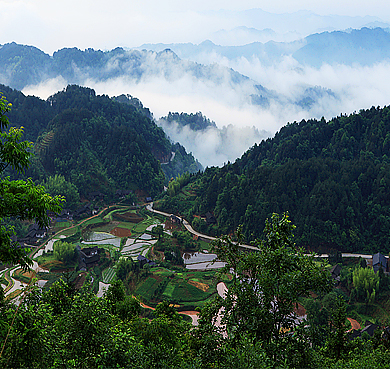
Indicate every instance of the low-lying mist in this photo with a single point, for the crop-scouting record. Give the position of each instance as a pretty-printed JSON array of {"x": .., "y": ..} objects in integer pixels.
[{"x": 240, "y": 122}]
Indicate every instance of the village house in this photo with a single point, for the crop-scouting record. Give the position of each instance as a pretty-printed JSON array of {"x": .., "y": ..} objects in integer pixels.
[
  {"x": 143, "y": 260},
  {"x": 379, "y": 261},
  {"x": 34, "y": 234},
  {"x": 89, "y": 256},
  {"x": 335, "y": 272},
  {"x": 175, "y": 219}
]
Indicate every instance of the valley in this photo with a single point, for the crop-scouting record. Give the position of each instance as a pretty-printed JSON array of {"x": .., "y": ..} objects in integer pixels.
[
  {"x": 232, "y": 212},
  {"x": 190, "y": 284}
]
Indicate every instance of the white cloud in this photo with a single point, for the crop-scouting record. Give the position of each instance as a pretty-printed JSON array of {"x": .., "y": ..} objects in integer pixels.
[{"x": 168, "y": 86}]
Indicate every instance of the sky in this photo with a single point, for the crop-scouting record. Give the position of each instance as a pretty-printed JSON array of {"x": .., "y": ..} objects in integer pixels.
[{"x": 51, "y": 25}]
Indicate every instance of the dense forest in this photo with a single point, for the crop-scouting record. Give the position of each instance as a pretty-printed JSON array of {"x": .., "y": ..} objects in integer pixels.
[
  {"x": 97, "y": 143},
  {"x": 332, "y": 177},
  {"x": 196, "y": 122}
]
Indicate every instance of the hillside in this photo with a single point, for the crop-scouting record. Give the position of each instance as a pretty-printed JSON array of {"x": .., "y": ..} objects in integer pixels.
[
  {"x": 332, "y": 177},
  {"x": 97, "y": 143}
]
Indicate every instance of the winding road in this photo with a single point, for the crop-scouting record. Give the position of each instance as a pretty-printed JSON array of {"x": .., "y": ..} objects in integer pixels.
[
  {"x": 191, "y": 230},
  {"x": 206, "y": 237}
]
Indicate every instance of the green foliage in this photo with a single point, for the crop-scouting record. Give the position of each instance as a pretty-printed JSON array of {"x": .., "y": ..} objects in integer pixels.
[
  {"x": 175, "y": 185},
  {"x": 266, "y": 286},
  {"x": 336, "y": 345},
  {"x": 158, "y": 230},
  {"x": 117, "y": 145},
  {"x": 57, "y": 185},
  {"x": 64, "y": 251},
  {"x": 196, "y": 122},
  {"x": 366, "y": 283},
  {"x": 333, "y": 178},
  {"x": 20, "y": 199},
  {"x": 124, "y": 267},
  {"x": 185, "y": 241},
  {"x": 66, "y": 328}
]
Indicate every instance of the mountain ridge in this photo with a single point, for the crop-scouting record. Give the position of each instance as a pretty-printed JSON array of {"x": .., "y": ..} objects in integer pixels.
[
  {"x": 97, "y": 143},
  {"x": 331, "y": 176}
]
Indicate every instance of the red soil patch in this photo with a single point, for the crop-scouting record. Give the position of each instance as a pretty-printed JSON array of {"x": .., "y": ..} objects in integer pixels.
[
  {"x": 189, "y": 312},
  {"x": 354, "y": 323},
  {"x": 202, "y": 286},
  {"x": 121, "y": 232},
  {"x": 300, "y": 310}
]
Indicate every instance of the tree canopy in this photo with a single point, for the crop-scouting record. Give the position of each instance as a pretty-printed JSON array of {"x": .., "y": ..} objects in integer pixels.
[
  {"x": 267, "y": 285},
  {"x": 333, "y": 177},
  {"x": 19, "y": 199}
]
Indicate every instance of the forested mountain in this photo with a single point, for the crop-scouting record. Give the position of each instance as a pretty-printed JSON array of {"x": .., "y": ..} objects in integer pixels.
[
  {"x": 97, "y": 143},
  {"x": 332, "y": 177},
  {"x": 196, "y": 122}
]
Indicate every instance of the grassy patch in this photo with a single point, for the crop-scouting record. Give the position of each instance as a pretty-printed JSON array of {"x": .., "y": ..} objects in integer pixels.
[
  {"x": 63, "y": 224},
  {"x": 95, "y": 220},
  {"x": 147, "y": 288},
  {"x": 109, "y": 215},
  {"x": 45, "y": 258},
  {"x": 185, "y": 292},
  {"x": 127, "y": 225},
  {"x": 189, "y": 289},
  {"x": 169, "y": 289},
  {"x": 69, "y": 232},
  {"x": 108, "y": 227}
]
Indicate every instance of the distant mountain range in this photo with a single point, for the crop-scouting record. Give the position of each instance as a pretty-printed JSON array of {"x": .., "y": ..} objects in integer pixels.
[
  {"x": 23, "y": 66},
  {"x": 246, "y": 109},
  {"x": 257, "y": 25},
  {"x": 364, "y": 46}
]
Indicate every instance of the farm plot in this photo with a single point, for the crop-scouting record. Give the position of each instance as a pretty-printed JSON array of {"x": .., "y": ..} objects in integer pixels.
[
  {"x": 145, "y": 236},
  {"x": 136, "y": 249},
  {"x": 121, "y": 232},
  {"x": 206, "y": 266},
  {"x": 98, "y": 236},
  {"x": 184, "y": 288},
  {"x": 102, "y": 238},
  {"x": 148, "y": 288},
  {"x": 198, "y": 257},
  {"x": 169, "y": 289},
  {"x": 108, "y": 274},
  {"x": 133, "y": 247},
  {"x": 128, "y": 217},
  {"x": 185, "y": 292}
]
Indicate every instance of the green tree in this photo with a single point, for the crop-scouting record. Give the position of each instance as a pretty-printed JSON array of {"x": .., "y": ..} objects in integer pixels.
[
  {"x": 267, "y": 284},
  {"x": 366, "y": 283},
  {"x": 158, "y": 230},
  {"x": 58, "y": 185},
  {"x": 64, "y": 251},
  {"x": 124, "y": 267},
  {"x": 336, "y": 345},
  {"x": 20, "y": 199}
]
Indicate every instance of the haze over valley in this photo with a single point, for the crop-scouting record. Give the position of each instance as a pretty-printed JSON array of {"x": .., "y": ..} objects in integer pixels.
[{"x": 249, "y": 70}]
